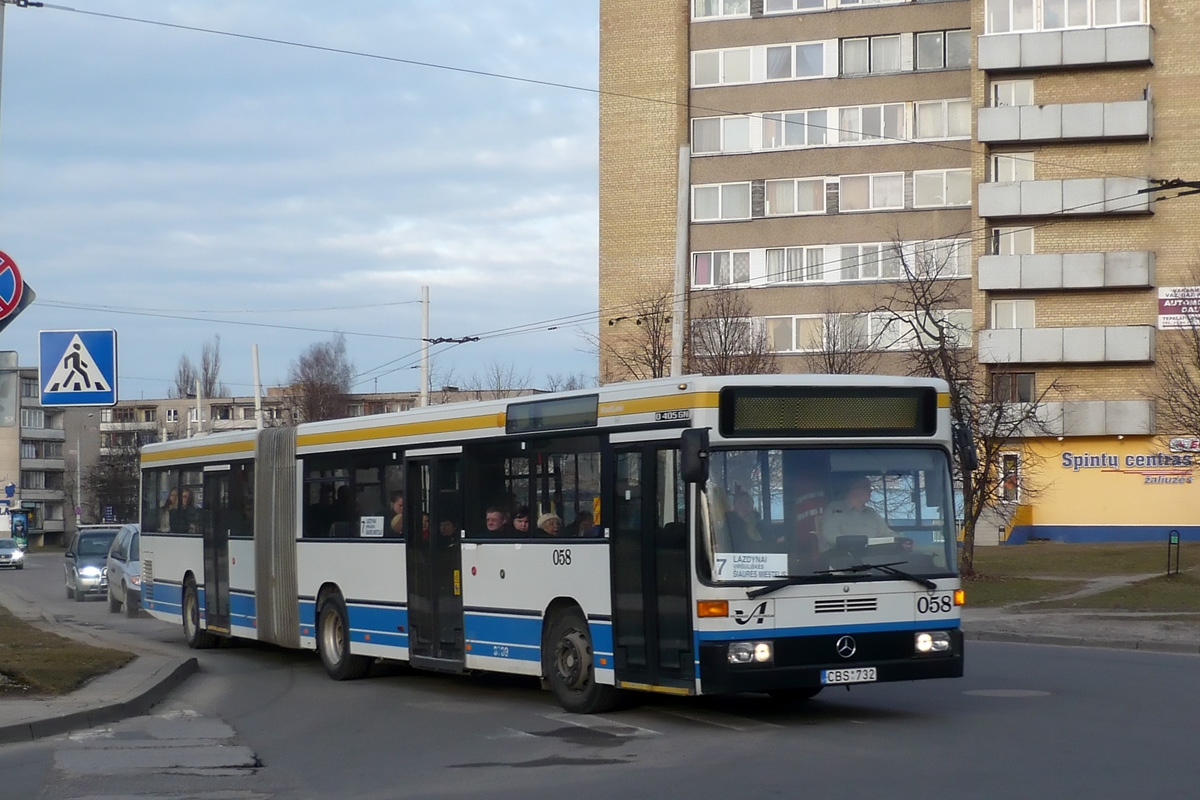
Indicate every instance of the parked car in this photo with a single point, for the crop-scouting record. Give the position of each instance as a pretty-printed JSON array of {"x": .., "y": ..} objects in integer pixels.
[
  {"x": 11, "y": 554},
  {"x": 125, "y": 571},
  {"x": 86, "y": 561}
]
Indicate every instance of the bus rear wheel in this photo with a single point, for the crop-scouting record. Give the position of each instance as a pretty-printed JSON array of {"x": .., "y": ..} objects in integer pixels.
[
  {"x": 333, "y": 642},
  {"x": 568, "y": 667},
  {"x": 197, "y": 638}
]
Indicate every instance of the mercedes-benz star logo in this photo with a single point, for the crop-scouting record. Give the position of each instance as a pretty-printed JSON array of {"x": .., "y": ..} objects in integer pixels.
[{"x": 846, "y": 646}]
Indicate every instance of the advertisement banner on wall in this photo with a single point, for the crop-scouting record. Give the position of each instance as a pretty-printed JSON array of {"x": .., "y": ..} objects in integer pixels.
[{"x": 1178, "y": 307}]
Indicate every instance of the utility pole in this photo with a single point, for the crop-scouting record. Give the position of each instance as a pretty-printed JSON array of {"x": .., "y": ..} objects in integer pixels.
[{"x": 424, "y": 346}]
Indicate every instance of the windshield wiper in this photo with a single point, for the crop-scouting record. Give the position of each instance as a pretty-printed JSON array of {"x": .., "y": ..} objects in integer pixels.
[
  {"x": 889, "y": 568},
  {"x": 774, "y": 586}
]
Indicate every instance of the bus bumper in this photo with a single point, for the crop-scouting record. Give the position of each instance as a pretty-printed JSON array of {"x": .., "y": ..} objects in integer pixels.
[{"x": 801, "y": 661}]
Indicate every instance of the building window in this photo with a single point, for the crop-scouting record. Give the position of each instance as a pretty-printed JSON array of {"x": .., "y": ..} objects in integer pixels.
[
  {"x": 1010, "y": 480},
  {"x": 721, "y": 67},
  {"x": 796, "y": 334},
  {"x": 172, "y": 415},
  {"x": 106, "y": 415},
  {"x": 795, "y": 196},
  {"x": 942, "y": 187},
  {"x": 793, "y": 61},
  {"x": 149, "y": 415},
  {"x": 222, "y": 412},
  {"x": 795, "y": 129},
  {"x": 871, "y": 123},
  {"x": 1012, "y": 241},
  {"x": 871, "y": 192},
  {"x": 1013, "y": 387},
  {"x": 33, "y": 418},
  {"x": 29, "y": 387},
  {"x": 796, "y": 265},
  {"x": 725, "y": 201},
  {"x": 718, "y": 9},
  {"x": 944, "y": 49},
  {"x": 787, "y": 6},
  {"x": 721, "y": 268},
  {"x": 124, "y": 414},
  {"x": 1012, "y": 93},
  {"x": 1008, "y": 314},
  {"x": 29, "y": 450},
  {"x": 1012, "y": 167},
  {"x": 33, "y": 479},
  {"x": 721, "y": 135},
  {"x": 871, "y": 55},
  {"x": 1017, "y": 16},
  {"x": 942, "y": 119}
]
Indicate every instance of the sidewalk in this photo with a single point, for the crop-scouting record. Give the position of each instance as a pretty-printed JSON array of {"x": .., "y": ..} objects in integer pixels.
[
  {"x": 150, "y": 677},
  {"x": 123, "y": 693}
]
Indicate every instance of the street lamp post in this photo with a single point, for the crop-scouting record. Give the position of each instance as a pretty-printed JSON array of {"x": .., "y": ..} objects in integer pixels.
[{"x": 79, "y": 471}]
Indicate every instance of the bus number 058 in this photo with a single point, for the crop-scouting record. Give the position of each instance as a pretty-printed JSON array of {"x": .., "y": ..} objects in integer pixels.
[
  {"x": 935, "y": 604},
  {"x": 561, "y": 558}
]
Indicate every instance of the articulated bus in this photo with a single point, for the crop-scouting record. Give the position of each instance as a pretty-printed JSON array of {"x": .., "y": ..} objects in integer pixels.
[{"x": 702, "y": 535}]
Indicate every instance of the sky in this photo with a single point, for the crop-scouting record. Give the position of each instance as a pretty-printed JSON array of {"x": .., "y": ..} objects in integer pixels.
[{"x": 177, "y": 185}]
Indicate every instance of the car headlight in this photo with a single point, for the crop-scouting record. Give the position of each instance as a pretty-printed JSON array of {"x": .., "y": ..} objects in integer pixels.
[
  {"x": 751, "y": 653},
  {"x": 928, "y": 642},
  {"x": 18, "y": 555},
  {"x": 89, "y": 572},
  {"x": 135, "y": 580}
]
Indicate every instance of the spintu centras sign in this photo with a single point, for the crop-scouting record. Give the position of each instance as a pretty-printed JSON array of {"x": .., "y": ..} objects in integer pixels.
[{"x": 1154, "y": 467}]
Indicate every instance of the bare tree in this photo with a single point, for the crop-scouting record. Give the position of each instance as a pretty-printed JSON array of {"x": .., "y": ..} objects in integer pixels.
[
  {"x": 569, "y": 382},
  {"x": 114, "y": 481},
  {"x": 208, "y": 373},
  {"x": 639, "y": 347},
  {"x": 938, "y": 344},
  {"x": 210, "y": 369},
  {"x": 320, "y": 381},
  {"x": 726, "y": 340},
  {"x": 842, "y": 348},
  {"x": 185, "y": 378},
  {"x": 1178, "y": 366},
  {"x": 497, "y": 381}
]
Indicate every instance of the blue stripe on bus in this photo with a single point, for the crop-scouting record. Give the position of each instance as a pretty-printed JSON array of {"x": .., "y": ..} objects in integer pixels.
[{"x": 824, "y": 630}]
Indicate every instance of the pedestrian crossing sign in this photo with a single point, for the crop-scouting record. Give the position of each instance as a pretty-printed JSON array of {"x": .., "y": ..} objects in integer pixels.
[{"x": 78, "y": 368}]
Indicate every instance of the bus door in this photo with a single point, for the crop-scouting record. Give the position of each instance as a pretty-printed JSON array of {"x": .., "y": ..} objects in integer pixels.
[
  {"x": 214, "y": 527},
  {"x": 433, "y": 530},
  {"x": 652, "y": 623}
]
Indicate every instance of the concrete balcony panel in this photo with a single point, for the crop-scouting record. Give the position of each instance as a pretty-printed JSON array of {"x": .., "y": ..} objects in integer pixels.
[
  {"x": 1084, "y": 47},
  {"x": 1129, "y": 417},
  {"x": 1042, "y": 271},
  {"x": 1083, "y": 345},
  {"x": 1129, "y": 268},
  {"x": 999, "y": 199},
  {"x": 44, "y": 495},
  {"x": 1130, "y": 119},
  {"x": 1049, "y": 417},
  {"x": 1083, "y": 418},
  {"x": 1041, "y": 49},
  {"x": 997, "y": 273},
  {"x": 1001, "y": 124},
  {"x": 1083, "y": 120},
  {"x": 1083, "y": 196},
  {"x": 1126, "y": 196},
  {"x": 44, "y": 434},
  {"x": 1132, "y": 44},
  {"x": 1129, "y": 343},
  {"x": 1041, "y": 345},
  {"x": 46, "y": 464},
  {"x": 1041, "y": 123},
  {"x": 1083, "y": 270},
  {"x": 1000, "y": 346},
  {"x": 1041, "y": 198},
  {"x": 1000, "y": 51}
]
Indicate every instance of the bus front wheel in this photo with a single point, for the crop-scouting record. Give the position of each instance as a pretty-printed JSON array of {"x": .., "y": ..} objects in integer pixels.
[
  {"x": 197, "y": 638},
  {"x": 333, "y": 641},
  {"x": 567, "y": 665}
]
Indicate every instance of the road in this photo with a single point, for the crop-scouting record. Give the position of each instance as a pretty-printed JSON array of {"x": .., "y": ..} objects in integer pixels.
[{"x": 1026, "y": 722}]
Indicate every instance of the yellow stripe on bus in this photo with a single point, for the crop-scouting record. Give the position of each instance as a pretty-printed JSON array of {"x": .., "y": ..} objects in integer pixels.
[
  {"x": 943, "y": 400},
  {"x": 200, "y": 450},
  {"x": 406, "y": 429},
  {"x": 646, "y": 687},
  {"x": 667, "y": 402}
]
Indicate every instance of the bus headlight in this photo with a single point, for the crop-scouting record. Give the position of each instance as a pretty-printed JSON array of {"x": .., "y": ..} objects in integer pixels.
[
  {"x": 932, "y": 642},
  {"x": 751, "y": 653}
]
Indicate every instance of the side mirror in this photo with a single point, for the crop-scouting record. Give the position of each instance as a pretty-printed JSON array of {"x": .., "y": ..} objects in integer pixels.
[
  {"x": 964, "y": 443},
  {"x": 693, "y": 451}
]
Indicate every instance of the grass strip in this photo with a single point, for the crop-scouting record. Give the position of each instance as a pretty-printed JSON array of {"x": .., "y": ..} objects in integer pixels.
[{"x": 37, "y": 662}]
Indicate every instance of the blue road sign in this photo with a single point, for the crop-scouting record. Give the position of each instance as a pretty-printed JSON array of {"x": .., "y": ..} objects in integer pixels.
[{"x": 78, "y": 368}]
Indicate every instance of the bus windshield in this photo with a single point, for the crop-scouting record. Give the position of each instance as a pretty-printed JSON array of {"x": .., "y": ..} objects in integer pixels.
[{"x": 778, "y": 514}]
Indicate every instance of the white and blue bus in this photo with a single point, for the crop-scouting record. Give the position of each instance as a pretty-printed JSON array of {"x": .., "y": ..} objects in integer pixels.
[{"x": 690, "y": 536}]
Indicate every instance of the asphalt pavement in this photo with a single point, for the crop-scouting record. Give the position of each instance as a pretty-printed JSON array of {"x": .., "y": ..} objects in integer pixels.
[{"x": 150, "y": 677}]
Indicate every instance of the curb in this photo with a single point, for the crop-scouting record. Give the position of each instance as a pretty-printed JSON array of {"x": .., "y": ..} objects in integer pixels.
[
  {"x": 1008, "y": 637},
  {"x": 157, "y": 687}
]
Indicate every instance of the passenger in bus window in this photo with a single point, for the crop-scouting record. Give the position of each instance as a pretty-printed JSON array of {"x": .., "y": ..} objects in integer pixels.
[
  {"x": 521, "y": 521},
  {"x": 496, "y": 521},
  {"x": 550, "y": 524},
  {"x": 186, "y": 518},
  {"x": 583, "y": 525},
  {"x": 168, "y": 513},
  {"x": 397, "y": 522},
  {"x": 744, "y": 523},
  {"x": 850, "y": 515}
]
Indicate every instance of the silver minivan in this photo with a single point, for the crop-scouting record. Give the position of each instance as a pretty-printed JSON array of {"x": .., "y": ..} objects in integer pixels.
[{"x": 125, "y": 571}]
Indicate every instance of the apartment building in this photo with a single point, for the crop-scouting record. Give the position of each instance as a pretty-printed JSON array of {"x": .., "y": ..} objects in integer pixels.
[
  {"x": 1013, "y": 144},
  {"x": 33, "y": 454}
]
